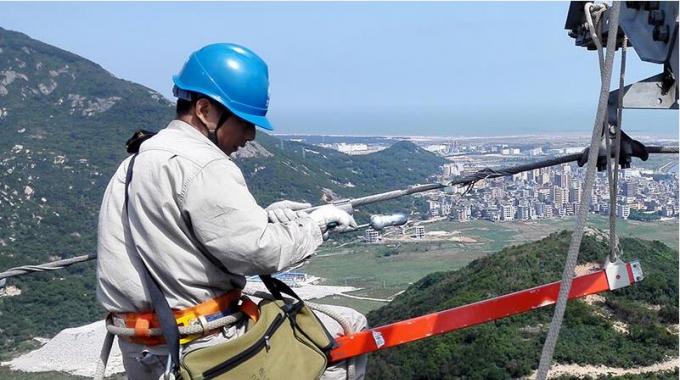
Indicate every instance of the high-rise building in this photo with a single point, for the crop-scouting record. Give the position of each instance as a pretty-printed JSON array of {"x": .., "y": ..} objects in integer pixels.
[
  {"x": 559, "y": 195},
  {"x": 419, "y": 232},
  {"x": 539, "y": 208},
  {"x": 522, "y": 212},
  {"x": 562, "y": 180},
  {"x": 543, "y": 178},
  {"x": 630, "y": 189},
  {"x": 507, "y": 212},
  {"x": 575, "y": 193},
  {"x": 460, "y": 214},
  {"x": 623, "y": 211},
  {"x": 548, "y": 212}
]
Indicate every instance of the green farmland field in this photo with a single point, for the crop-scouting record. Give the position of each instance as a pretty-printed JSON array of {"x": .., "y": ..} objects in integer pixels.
[{"x": 381, "y": 270}]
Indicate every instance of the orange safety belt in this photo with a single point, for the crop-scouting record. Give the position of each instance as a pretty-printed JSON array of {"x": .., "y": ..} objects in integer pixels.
[
  {"x": 142, "y": 322},
  {"x": 425, "y": 326}
]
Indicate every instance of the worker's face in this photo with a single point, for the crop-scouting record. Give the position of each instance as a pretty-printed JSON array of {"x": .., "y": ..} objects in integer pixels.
[{"x": 233, "y": 134}]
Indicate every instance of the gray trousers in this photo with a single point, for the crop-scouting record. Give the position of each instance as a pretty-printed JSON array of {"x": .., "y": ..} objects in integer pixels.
[{"x": 148, "y": 362}]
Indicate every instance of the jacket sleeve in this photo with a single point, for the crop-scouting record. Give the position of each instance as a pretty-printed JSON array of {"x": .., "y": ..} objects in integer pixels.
[{"x": 228, "y": 222}]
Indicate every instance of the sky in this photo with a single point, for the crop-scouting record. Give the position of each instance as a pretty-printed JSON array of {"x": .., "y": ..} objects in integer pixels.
[{"x": 356, "y": 68}]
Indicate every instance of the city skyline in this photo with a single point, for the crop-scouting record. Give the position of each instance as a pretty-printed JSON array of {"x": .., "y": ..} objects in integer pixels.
[{"x": 646, "y": 191}]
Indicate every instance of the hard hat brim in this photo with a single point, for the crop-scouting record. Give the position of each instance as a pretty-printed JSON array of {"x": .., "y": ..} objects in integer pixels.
[{"x": 259, "y": 121}]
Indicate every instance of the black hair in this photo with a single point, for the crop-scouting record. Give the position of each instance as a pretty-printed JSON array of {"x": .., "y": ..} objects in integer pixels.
[{"x": 183, "y": 106}]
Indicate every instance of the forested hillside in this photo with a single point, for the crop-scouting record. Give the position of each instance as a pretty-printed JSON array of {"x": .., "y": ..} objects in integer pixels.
[{"x": 630, "y": 327}]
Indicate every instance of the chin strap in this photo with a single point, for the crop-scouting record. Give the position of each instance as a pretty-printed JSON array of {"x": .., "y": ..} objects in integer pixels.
[{"x": 212, "y": 135}]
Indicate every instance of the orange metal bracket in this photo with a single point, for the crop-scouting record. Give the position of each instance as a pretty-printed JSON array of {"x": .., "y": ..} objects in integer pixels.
[{"x": 477, "y": 313}]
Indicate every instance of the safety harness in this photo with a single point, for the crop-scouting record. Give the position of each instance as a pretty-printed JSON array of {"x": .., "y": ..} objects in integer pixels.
[{"x": 199, "y": 315}]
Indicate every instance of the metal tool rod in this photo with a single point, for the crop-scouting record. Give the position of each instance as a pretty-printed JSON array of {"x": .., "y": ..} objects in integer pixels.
[{"x": 462, "y": 180}]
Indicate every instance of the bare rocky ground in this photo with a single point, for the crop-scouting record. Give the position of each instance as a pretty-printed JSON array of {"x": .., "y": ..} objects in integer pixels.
[{"x": 557, "y": 370}]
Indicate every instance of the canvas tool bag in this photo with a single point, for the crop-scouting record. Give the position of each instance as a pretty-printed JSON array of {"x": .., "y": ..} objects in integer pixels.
[{"x": 287, "y": 341}]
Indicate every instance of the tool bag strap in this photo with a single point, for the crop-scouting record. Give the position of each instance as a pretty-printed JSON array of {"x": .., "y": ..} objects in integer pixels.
[
  {"x": 277, "y": 287},
  {"x": 158, "y": 301}
]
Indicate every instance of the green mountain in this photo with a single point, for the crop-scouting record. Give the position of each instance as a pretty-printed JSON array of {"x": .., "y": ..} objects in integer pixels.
[
  {"x": 626, "y": 328},
  {"x": 63, "y": 124},
  {"x": 297, "y": 175}
]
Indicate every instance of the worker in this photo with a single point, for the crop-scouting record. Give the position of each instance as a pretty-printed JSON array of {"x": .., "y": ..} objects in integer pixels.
[{"x": 190, "y": 218}]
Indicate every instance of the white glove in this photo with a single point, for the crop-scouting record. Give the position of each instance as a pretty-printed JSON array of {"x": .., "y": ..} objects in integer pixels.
[
  {"x": 328, "y": 214},
  {"x": 285, "y": 211}
]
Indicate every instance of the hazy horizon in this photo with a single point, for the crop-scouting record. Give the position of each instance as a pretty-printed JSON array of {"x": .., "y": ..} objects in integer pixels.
[
  {"x": 405, "y": 68},
  {"x": 442, "y": 123}
]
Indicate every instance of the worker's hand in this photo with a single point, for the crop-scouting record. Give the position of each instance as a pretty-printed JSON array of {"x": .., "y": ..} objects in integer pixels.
[
  {"x": 285, "y": 211},
  {"x": 330, "y": 216}
]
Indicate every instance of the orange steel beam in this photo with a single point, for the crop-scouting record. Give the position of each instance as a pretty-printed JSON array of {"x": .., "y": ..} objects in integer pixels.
[{"x": 470, "y": 315}]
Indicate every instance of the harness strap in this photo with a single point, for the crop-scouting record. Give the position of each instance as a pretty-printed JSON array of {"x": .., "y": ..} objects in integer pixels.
[{"x": 158, "y": 301}]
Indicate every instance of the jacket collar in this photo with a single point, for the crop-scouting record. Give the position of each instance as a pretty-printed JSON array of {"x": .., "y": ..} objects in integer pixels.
[{"x": 190, "y": 132}]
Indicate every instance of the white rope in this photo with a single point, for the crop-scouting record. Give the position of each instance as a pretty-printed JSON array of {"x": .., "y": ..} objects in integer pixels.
[
  {"x": 183, "y": 330},
  {"x": 614, "y": 247},
  {"x": 577, "y": 235},
  {"x": 346, "y": 328}
]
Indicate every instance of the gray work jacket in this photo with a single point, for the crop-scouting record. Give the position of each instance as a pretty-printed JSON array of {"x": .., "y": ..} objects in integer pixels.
[{"x": 193, "y": 222}]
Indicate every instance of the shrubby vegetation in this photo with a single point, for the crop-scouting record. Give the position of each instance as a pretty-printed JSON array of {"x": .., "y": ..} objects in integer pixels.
[{"x": 511, "y": 347}]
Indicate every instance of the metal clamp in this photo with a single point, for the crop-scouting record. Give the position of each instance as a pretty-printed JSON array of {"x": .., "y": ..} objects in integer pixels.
[{"x": 621, "y": 274}]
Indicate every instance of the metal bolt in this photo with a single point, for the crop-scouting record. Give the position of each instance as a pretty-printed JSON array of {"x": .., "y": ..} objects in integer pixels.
[
  {"x": 659, "y": 100},
  {"x": 656, "y": 17},
  {"x": 660, "y": 33}
]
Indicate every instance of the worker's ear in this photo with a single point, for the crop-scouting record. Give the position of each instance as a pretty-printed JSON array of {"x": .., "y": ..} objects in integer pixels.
[{"x": 202, "y": 109}]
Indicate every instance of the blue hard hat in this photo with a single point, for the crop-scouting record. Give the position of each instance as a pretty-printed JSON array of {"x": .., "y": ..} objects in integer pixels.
[{"x": 231, "y": 75}]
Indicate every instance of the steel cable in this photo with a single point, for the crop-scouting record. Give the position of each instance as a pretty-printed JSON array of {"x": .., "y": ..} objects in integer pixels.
[
  {"x": 613, "y": 167},
  {"x": 577, "y": 235}
]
